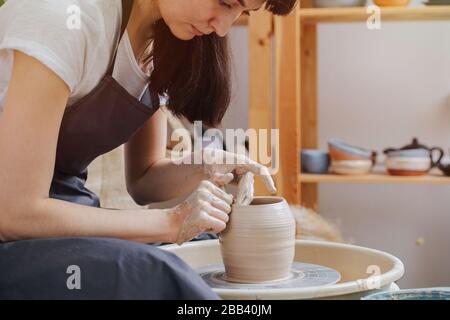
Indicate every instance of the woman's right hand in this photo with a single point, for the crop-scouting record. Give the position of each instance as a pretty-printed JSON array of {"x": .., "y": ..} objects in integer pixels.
[{"x": 205, "y": 210}]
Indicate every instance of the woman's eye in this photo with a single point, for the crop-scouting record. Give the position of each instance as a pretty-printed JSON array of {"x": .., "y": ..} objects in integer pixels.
[
  {"x": 246, "y": 13},
  {"x": 226, "y": 5}
]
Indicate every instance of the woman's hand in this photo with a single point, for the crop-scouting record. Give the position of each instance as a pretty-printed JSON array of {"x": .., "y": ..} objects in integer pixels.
[
  {"x": 223, "y": 167},
  {"x": 205, "y": 210}
]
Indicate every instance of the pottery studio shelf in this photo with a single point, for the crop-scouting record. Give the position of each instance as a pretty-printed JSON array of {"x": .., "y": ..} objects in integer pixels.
[
  {"x": 378, "y": 177},
  {"x": 334, "y": 15},
  {"x": 283, "y": 90}
]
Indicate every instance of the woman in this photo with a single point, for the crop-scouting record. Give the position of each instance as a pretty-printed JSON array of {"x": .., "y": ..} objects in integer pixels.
[{"x": 69, "y": 93}]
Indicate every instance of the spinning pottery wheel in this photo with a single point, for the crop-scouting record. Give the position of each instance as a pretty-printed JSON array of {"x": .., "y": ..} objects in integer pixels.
[
  {"x": 341, "y": 272},
  {"x": 302, "y": 275}
]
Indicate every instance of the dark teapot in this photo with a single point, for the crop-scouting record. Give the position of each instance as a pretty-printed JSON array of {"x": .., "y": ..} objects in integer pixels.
[
  {"x": 415, "y": 149},
  {"x": 445, "y": 168}
]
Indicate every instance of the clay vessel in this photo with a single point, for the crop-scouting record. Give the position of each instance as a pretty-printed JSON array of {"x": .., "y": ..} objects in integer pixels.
[{"x": 259, "y": 242}]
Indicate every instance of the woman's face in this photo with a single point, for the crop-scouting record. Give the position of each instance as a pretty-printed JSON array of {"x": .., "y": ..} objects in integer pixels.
[{"x": 189, "y": 18}]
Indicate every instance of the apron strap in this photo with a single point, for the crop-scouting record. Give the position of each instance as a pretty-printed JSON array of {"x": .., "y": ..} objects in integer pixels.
[{"x": 127, "y": 5}]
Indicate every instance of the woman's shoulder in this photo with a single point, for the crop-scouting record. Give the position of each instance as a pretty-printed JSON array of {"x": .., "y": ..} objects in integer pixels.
[
  {"x": 69, "y": 36},
  {"x": 84, "y": 15}
]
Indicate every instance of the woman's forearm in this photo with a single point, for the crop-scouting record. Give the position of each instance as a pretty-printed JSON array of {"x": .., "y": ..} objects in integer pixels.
[
  {"x": 50, "y": 218},
  {"x": 166, "y": 180}
]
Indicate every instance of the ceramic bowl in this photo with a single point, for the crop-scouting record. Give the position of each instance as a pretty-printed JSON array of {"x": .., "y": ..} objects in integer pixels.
[
  {"x": 401, "y": 166},
  {"x": 352, "y": 167},
  {"x": 338, "y": 3},
  {"x": 340, "y": 150},
  {"x": 315, "y": 161},
  {"x": 391, "y": 3},
  {"x": 412, "y": 294}
]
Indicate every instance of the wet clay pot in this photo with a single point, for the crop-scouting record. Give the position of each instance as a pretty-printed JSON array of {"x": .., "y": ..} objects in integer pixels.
[{"x": 259, "y": 242}]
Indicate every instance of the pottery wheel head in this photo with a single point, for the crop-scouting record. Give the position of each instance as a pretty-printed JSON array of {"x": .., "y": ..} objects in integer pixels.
[{"x": 302, "y": 275}]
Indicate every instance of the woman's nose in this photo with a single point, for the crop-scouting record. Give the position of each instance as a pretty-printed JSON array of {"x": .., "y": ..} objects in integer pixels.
[{"x": 222, "y": 24}]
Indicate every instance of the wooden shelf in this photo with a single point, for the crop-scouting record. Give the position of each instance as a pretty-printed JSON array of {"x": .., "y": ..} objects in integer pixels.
[
  {"x": 284, "y": 90},
  {"x": 378, "y": 177},
  {"x": 359, "y": 14}
]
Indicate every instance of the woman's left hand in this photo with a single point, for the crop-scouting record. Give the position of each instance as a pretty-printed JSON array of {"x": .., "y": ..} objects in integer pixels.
[{"x": 223, "y": 167}]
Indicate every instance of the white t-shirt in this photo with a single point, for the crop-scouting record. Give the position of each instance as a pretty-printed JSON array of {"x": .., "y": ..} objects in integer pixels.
[{"x": 47, "y": 31}]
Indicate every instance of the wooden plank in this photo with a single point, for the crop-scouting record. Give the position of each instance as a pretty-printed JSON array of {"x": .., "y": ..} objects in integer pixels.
[
  {"x": 287, "y": 104},
  {"x": 333, "y": 15},
  {"x": 308, "y": 110},
  {"x": 308, "y": 114},
  {"x": 260, "y": 77},
  {"x": 378, "y": 177}
]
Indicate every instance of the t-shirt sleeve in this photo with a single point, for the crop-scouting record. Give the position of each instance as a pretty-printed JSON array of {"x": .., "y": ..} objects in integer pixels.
[{"x": 42, "y": 29}]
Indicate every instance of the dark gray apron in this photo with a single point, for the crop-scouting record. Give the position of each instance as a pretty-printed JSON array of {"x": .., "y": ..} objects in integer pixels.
[
  {"x": 100, "y": 122},
  {"x": 110, "y": 268}
]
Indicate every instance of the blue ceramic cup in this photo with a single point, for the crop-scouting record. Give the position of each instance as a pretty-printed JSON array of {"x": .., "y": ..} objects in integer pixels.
[{"x": 315, "y": 161}]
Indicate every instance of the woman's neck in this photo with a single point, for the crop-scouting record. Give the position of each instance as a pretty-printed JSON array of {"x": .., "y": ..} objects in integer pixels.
[{"x": 144, "y": 15}]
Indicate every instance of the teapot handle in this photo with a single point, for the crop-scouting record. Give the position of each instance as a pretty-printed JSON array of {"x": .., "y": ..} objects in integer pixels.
[{"x": 441, "y": 155}]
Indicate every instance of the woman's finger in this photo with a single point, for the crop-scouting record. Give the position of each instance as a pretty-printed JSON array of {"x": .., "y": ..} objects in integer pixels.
[
  {"x": 216, "y": 213},
  {"x": 245, "y": 189},
  {"x": 218, "y": 192},
  {"x": 212, "y": 224},
  {"x": 215, "y": 201},
  {"x": 261, "y": 171},
  {"x": 223, "y": 179}
]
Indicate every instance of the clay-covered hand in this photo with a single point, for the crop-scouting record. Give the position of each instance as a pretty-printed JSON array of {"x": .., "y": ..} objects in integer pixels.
[
  {"x": 205, "y": 210},
  {"x": 246, "y": 190},
  {"x": 223, "y": 167}
]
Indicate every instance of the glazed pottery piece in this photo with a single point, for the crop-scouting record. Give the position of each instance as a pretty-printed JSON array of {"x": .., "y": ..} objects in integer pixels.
[
  {"x": 352, "y": 167},
  {"x": 444, "y": 167},
  {"x": 340, "y": 151},
  {"x": 412, "y": 153},
  {"x": 412, "y": 294},
  {"x": 259, "y": 242},
  {"x": 315, "y": 161},
  {"x": 404, "y": 166},
  {"x": 414, "y": 159}
]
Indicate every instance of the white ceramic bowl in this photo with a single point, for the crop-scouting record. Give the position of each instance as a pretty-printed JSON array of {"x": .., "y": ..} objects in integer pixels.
[{"x": 352, "y": 167}]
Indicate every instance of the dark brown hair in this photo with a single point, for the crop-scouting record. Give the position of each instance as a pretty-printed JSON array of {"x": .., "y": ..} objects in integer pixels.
[{"x": 195, "y": 74}]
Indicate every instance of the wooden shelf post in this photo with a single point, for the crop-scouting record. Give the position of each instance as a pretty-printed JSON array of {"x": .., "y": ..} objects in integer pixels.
[
  {"x": 260, "y": 81},
  {"x": 287, "y": 105}
]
